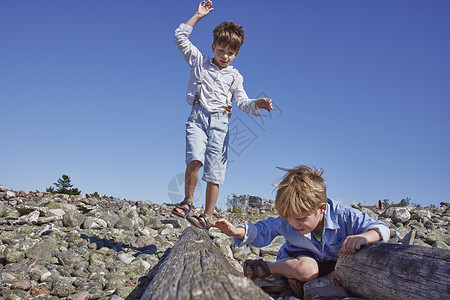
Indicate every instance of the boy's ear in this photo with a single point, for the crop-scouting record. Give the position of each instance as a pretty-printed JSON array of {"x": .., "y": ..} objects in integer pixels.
[
  {"x": 213, "y": 48},
  {"x": 323, "y": 207}
]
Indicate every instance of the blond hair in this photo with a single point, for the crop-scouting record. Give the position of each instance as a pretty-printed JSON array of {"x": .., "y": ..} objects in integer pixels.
[
  {"x": 229, "y": 34},
  {"x": 300, "y": 192}
]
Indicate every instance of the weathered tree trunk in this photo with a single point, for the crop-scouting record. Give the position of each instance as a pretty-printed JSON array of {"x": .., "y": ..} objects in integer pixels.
[
  {"x": 396, "y": 271},
  {"x": 196, "y": 269}
]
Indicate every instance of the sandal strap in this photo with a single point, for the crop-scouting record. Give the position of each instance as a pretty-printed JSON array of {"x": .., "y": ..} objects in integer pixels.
[
  {"x": 197, "y": 221},
  {"x": 187, "y": 203},
  {"x": 180, "y": 206},
  {"x": 257, "y": 266},
  {"x": 208, "y": 224}
]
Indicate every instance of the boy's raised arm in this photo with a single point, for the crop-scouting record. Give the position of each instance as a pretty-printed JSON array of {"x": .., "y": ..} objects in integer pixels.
[{"x": 204, "y": 8}]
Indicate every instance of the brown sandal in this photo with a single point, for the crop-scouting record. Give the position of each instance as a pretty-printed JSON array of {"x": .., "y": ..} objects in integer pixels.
[
  {"x": 186, "y": 211},
  {"x": 198, "y": 222},
  {"x": 259, "y": 268},
  {"x": 297, "y": 287}
]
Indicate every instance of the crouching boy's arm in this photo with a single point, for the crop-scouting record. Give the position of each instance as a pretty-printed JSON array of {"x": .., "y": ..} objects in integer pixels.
[
  {"x": 354, "y": 242},
  {"x": 229, "y": 229}
]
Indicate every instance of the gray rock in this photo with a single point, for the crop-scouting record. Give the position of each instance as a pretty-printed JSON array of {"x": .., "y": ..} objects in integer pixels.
[
  {"x": 94, "y": 223},
  {"x": 273, "y": 247},
  {"x": 13, "y": 254},
  {"x": 409, "y": 238},
  {"x": 419, "y": 214},
  {"x": 436, "y": 236},
  {"x": 9, "y": 195},
  {"x": 73, "y": 218},
  {"x": 440, "y": 244},
  {"x": 254, "y": 201},
  {"x": 62, "y": 287},
  {"x": 401, "y": 232},
  {"x": 400, "y": 215},
  {"x": 70, "y": 259},
  {"x": 126, "y": 224},
  {"x": 42, "y": 250},
  {"x": 176, "y": 222},
  {"x": 154, "y": 223},
  {"x": 31, "y": 218},
  {"x": 125, "y": 258}
]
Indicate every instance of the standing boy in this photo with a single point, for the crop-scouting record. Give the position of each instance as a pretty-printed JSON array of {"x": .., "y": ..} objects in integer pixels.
[{"x": 212, "y": 85}]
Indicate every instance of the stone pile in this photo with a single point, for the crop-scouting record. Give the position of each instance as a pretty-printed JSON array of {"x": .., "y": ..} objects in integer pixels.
[{"x": 55, "y": 246}]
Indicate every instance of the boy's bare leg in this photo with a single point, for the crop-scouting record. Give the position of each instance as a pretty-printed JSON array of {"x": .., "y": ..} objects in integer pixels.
[
  {"x": 190, "y": 182},
  {"x": 190, "y": 179},
  {"x": 303, "y": 268},
  {"x": 212, "y": 193}
]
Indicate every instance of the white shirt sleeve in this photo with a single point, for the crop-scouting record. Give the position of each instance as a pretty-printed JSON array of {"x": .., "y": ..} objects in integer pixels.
[
  {"x": 190, "y": 53},
  {"x": 243, "y": 102}
]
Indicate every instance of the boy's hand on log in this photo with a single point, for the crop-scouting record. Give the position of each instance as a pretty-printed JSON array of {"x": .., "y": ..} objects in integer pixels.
[
  {"x": 264, "y": 103},
  {"x": 229, "y": 229},
  {"x": 353, "y": 243}
]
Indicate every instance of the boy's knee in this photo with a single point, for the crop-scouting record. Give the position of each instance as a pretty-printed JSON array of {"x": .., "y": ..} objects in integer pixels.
[
  {"x": 195, "y": 164},
  {"x": 307, "y": 269}
]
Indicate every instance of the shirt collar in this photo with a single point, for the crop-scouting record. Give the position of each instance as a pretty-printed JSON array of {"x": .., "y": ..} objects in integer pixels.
[
  {"x": 211, "y": 64},
  {"x": 330, "y": 222}
]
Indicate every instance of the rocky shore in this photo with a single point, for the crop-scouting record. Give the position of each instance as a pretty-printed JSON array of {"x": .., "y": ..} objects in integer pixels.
[{"x": 55, "y": 246}]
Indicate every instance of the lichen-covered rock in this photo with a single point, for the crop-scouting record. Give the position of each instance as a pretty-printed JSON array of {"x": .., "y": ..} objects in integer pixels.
[
  {"x": 400, "y": 215},
  {"x": 73, "y": 218}
]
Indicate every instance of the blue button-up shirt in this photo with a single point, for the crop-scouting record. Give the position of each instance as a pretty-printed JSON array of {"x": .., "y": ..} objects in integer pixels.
[{"x": 340, "y": 221}]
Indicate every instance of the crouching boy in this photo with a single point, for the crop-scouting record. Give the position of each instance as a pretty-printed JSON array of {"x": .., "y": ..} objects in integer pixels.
[{"x": 315, "y": 229}]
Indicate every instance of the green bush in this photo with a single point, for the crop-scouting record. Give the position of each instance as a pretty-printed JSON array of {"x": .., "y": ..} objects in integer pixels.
[{"x": 236, "y": 204}]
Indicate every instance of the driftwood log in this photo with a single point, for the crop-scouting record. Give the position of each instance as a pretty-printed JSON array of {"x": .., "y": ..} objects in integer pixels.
[
  {"x": 196, "y": 269},
  {"x": 396, "y": 271}
]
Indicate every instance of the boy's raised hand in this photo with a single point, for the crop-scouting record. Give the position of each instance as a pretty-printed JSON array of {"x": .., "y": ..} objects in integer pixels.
[
  {"x": 204, "y": 8},
  {"x": 264, "y": 103}
]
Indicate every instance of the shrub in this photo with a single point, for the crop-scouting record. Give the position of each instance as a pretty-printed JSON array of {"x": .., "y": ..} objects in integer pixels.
[
  {"x": 63, "y": 186},
  {"x": 236, "y": 204}
]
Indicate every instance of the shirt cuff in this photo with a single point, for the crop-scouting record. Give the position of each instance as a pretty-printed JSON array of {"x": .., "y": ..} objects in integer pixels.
[
  {"x": 256, "y": 111},
  {"x": 186, "y": 27},
  {"x": 250, "y": 234},
  {"x": 382, "y": 230}
]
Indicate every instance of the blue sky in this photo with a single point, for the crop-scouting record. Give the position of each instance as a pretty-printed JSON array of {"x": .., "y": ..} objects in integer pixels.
[{"x": 96, "y": 90}]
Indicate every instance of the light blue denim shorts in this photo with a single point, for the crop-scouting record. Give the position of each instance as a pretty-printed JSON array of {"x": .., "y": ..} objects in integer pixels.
[{"x": 207, "y": 142}]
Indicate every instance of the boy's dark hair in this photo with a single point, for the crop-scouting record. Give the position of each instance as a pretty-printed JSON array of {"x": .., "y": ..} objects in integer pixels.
[{"x": 229, "y": 34}]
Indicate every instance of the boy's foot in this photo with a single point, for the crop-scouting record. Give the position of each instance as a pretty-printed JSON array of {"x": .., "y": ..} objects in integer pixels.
[
  {"x": 201, "y": 221},
  {"x": 183, "y": 209},
  {"x": 254, "y": 269}
]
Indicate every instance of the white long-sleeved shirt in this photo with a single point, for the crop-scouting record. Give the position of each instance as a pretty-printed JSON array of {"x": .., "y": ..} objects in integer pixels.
[{"x": 216, "y": 82}]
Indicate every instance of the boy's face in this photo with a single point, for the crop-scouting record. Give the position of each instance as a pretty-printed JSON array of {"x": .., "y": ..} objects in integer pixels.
[
  {"x": 309, "y": 221},
  {"x": 223, "y": 56}
]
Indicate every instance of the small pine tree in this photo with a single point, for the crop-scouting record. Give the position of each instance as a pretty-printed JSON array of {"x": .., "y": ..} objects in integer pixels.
[{"x": 63, "y": 186}]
